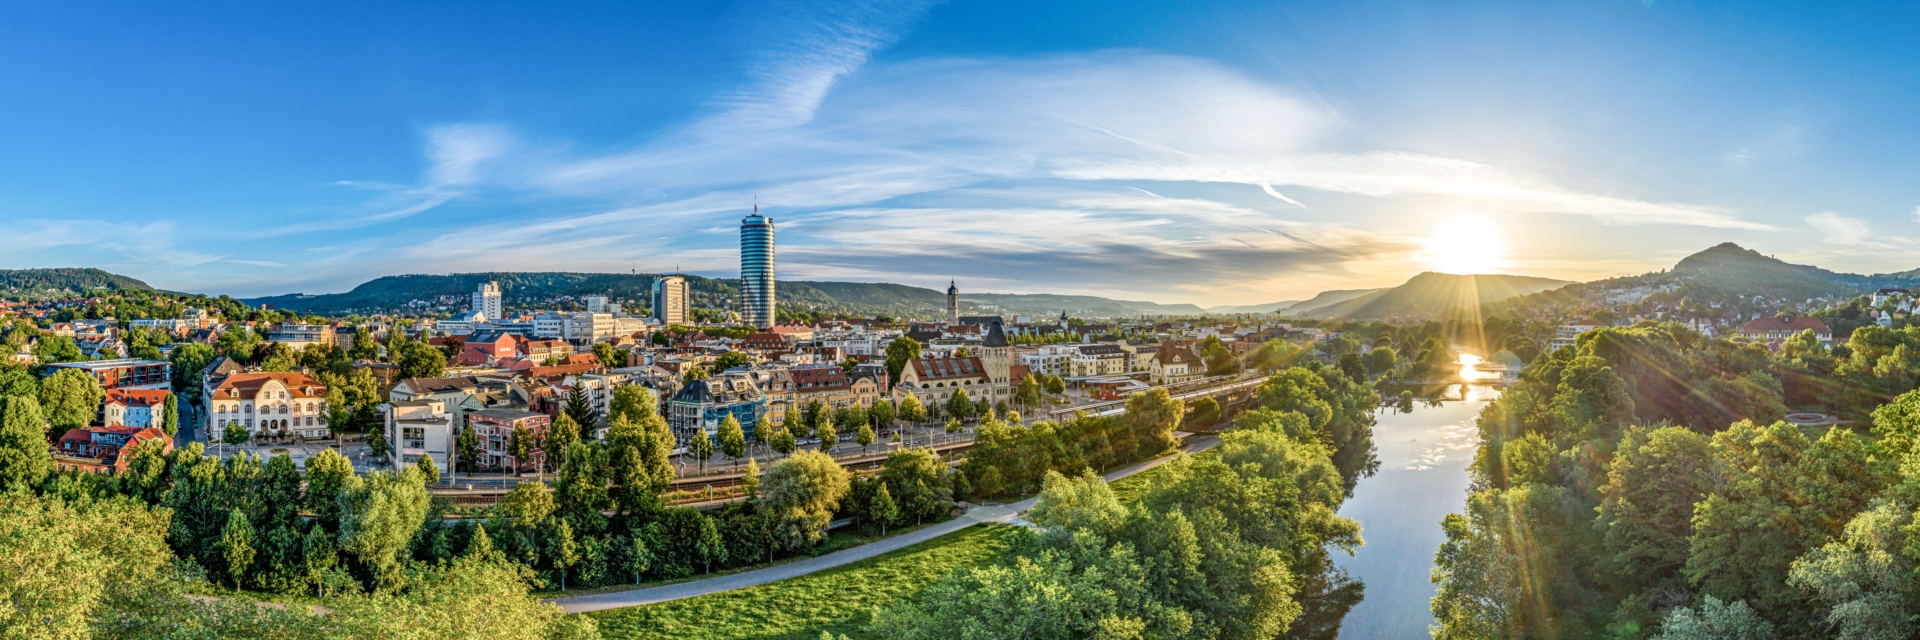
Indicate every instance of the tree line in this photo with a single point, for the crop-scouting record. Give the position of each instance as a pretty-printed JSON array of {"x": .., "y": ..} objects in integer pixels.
[{"x": 1642, "y": 484}]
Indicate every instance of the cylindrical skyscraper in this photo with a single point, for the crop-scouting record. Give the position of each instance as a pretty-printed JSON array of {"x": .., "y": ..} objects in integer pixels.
[{"x": 756, "y": 269}]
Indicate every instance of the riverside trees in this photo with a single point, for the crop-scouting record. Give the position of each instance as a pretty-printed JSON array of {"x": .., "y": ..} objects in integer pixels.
[{"x": 1641, "y": 483}]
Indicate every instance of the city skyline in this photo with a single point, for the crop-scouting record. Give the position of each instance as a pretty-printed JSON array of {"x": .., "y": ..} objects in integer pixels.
[{"x": 1237, "y": 155}]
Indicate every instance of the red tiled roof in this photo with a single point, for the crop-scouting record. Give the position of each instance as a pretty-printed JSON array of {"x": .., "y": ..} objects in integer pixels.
[
  {"x": 949, "y": 368},
  {"x": 1790, "y": 324},
  {"x": 138, "y": 397},
  {"x": 246, "y": 385}
]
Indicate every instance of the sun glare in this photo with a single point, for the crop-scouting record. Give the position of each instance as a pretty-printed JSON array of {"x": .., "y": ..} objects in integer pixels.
[{"x": 1465, "y": 246}]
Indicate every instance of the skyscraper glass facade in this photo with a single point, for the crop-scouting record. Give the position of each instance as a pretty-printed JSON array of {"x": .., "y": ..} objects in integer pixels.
[{"x": 756, "y": 269}]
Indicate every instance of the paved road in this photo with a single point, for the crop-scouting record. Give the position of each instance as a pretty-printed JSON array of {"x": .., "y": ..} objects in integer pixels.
[{"x": 695, "y": 588}]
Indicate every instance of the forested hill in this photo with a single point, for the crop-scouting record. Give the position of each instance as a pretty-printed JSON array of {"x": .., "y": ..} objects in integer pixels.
[
  {"x": 1730, "y": 268},
  {"x": 1325, "y": 298},
  {"x": 43, "y": 282},
  {"x": 1433, "y": 295},
  {"x": 1727, "y": 275},
  {"x": 391, "y": 293}
]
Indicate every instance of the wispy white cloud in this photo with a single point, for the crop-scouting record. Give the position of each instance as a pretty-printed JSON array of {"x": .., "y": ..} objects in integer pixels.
[
  {"x": 1839, "y": 229},
  {"x": 1049, "y": 169}
]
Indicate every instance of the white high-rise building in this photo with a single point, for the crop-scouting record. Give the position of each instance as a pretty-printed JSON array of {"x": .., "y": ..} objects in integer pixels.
[
  {"x": 670, "y": 300},
  {"x": 486, "y": 301}
]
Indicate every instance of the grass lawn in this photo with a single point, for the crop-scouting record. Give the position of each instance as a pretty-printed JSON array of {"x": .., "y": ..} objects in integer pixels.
[{"x": 840, "y": 600}]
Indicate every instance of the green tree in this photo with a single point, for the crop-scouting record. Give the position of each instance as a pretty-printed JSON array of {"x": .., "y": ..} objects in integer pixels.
[
  {"x": 1084, "y": 503},
  {"x": 379, "y": 515},
  {"x": 608, "y": 356},
  {"x": 794, "y": 421},
  {"x": 733, "y": 441},
  {"x": 170, "y": 415},
  {"x": 70, "y": 398},
  {"x": 750, "y": 480},
  {"x": 708, "y": 546},
  {"x": 1775, "y": 503},
  {"x": 883, "y": 413},
  {"x": 562, "y": 550},
  {"x": 364, "y": 347},
  {"x": 17, "y": 382},
  {"x": 899, "y": 352},
  {"x": 864, "y": 436},
  {"x": 467, "y": 448},
  {"x": 318, "y": 557},
  {"x": 236, "y": 434},
  {"x": 54, "y": 349},
  {"x": 730, "y": 360},
  {"x": 954, "y": 426},
  {"x": 1151, "y": 418},
  {"x": 782, "y": 441},
  {"x": 428, "y": 472},
  {"x": 236, "y": 544},
  {"x": 519, "y": 447},
  {"x": 882, "y": 509},
  {"x": 24, "y": 458},
  {"x": 1647, "y": 509},
  {"x": 1027, "y": 391},
  {"x": 562, "y": 433},
  {"x": 580, "y": 408},
  {"x": 911, "y": 410},
  {"x": 828, "y": 437},
  {"x": 328, "y": 474},
  {"x": 1716, "y": 620},
  {"x": 1380, "y": 361},
  {"x": 800, "y": 493},
  {"x": 421, "y": 360},
  {"x": 959, "y": 405},
  {"x": 701, "y": 448},
  {"x": 1055, "y": 385}
]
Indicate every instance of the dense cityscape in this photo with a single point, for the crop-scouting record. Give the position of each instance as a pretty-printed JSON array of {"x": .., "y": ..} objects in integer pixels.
[{"x": 969, "y": 320}]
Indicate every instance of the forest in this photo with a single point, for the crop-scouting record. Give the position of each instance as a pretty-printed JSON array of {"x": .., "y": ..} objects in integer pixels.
[{"x": 1642, "y": 484}]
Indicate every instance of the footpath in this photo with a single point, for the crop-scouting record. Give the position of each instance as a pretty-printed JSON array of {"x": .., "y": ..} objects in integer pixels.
[{"x": 795, "y": 569}]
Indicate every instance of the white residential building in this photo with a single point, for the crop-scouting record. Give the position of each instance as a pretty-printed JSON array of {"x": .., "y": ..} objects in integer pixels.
[{"x": 486, "y": 301}]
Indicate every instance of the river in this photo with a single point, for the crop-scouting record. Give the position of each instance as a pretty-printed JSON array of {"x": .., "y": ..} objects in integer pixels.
[{"x": 1423, "y": 477}]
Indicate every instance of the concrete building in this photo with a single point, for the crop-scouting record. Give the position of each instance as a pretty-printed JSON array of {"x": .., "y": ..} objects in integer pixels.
[
  {"x": 495, "y": 430},
  {"x": 756, "y": 270},
  {"x": 486, "y": 301},
  {"x": 124, "y": 373},
  {"x": 670, "y": 300},
  {"x": 134, "y": 407},
  {"x": 421, "y": 428},
  {"x": 697, "y": 409}
]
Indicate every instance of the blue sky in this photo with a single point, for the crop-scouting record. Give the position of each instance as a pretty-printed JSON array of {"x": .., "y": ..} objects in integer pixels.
[{"x": 1216, "y": 153}]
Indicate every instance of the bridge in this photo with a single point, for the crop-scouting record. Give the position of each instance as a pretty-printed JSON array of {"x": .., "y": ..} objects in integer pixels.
[{"x": 1227, "y": 389}]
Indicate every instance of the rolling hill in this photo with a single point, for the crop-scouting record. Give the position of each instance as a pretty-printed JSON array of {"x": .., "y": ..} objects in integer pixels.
[
  {"x": 1725, "y": 274},
  {"x": 1253, "y": 308},
  {"x": 1326, "y": 298},
  {"x": 27, "y": 282},
  {"x": 1433, "y": 295},
  {"x": 390, "y": 293}
]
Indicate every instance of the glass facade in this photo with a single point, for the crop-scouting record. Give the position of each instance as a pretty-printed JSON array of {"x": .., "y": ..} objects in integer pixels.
[{"x": 756, "y": 270}]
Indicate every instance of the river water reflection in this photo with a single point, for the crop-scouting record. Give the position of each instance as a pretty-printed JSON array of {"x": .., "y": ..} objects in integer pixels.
[{"x": 1423, "y": 477}]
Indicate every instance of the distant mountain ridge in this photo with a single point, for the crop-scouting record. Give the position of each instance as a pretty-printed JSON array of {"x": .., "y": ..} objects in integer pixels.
[
  {"x": 1434, "y": 295},
  {"x": 1253, "y": 308},
  {"x": 389, "y": 293},
  {"x": 66, "y": 280},
  {"x": 1724, "y": 273},
  {"x": 1328, "y": 297}
]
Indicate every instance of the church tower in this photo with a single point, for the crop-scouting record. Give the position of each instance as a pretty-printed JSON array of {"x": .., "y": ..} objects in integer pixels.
[
  {"x": 996, "y": 356},
  {"x": 953, "y": 303}
]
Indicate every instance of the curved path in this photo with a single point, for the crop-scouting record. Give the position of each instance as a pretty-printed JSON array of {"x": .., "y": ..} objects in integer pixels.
[{"x": 795, "y": 569}]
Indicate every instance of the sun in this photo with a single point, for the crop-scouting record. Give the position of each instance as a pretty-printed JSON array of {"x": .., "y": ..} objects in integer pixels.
[{"x": 1465, "y": 246}]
